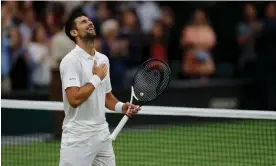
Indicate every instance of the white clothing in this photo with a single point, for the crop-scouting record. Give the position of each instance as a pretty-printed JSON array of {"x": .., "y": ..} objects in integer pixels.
[
  {"x": 91, "y": 152},
  {"x": 76, "y": 70},
  {"x": 148, "y": 12},
  {"x": 26, "y": 33},
  {"x": 85, "y": 127},
  {"x": 41, "y": 74}
]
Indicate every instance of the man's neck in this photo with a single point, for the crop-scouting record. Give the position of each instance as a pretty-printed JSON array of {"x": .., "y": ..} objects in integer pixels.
[{"x": 87, "y": 46}]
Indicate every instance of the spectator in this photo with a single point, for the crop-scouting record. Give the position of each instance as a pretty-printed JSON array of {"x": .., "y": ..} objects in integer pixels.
[
  {"x": 54, "y": 18},
  {"x": 172, "y": 40},
  {"x": 266, "y": 51},
  {"x": 39, "y": 54},
  {"x": 20, "y": 70},
  {"x": 13, "y": 8},
  {"x": 89, "y": 9},
  {"x": 5, "y": 64},
  {"x": 6, "y": 20},
  {"x": 102, "y": 14},
  {"x": 198, "y": 39},
  {"x": 158, "y": 44},
  {"x": 28, "y": 5},
  {"x": 246, "y": 34},
  {"x": 148, "y": 12},
  {"x": 131, "y": 32},
  {"x": 69, "y": 6},
  {"x": 59, "y": 43},
  {"x": 121, "y": 6},
  {"x": 27, "y": 26},
  {"x": 116, "y": 50},
  {"x": 168, "y": 21}
]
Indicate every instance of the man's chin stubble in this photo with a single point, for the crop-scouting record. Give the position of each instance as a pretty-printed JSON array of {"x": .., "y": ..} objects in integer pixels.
[{"x": 89, "y": 38}]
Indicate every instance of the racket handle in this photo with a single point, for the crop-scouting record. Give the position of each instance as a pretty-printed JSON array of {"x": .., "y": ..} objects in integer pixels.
[{"x": 119, "y": 128}]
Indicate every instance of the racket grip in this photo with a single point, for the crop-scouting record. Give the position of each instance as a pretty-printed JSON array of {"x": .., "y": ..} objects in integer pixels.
[{"x": 119, "y": 128}]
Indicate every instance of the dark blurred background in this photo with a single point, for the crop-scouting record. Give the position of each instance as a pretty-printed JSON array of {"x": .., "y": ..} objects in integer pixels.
[{"x": 222, "y": 54}]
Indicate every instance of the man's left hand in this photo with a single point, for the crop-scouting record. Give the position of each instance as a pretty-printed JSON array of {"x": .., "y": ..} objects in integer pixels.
[{"x": 132, "y": 111}]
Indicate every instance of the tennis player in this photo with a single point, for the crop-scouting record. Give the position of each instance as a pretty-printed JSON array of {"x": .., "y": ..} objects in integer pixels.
[{"x": 86, "y": 92}]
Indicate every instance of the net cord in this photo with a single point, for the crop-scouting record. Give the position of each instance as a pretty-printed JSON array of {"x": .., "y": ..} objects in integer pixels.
[{"x": 150, "y": 110}]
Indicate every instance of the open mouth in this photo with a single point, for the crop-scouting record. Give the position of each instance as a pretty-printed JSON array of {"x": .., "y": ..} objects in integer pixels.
[{"x": 91, "y": 29}]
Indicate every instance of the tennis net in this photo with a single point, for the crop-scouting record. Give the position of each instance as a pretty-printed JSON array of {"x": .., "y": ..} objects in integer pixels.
[{"x": 158, "y": 136}]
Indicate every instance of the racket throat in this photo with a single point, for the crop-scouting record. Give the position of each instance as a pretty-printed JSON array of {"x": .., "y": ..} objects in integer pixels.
[{"x": 133, "y": 94}]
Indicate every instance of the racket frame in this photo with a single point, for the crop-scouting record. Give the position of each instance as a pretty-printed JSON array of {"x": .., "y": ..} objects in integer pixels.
[{"x": 124, "y": 120}]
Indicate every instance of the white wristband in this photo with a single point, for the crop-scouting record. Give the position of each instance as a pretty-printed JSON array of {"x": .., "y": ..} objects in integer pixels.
[
  {"x": 95, "y": 81},
  {"x": 119, "y": 107}
]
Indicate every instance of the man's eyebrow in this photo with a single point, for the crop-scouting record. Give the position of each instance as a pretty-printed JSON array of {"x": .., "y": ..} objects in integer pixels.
[{"x": 83, "y": 19}]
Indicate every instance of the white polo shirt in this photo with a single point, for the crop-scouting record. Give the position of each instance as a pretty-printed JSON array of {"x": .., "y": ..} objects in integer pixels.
[{"x": 76, "y": 69}]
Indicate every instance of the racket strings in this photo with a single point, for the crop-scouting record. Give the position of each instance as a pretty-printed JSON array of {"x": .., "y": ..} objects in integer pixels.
[{"x": 151, "y": 80}]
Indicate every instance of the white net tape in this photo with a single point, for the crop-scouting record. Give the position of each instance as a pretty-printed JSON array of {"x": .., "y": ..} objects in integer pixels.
[{"x": 150, "y": 110}]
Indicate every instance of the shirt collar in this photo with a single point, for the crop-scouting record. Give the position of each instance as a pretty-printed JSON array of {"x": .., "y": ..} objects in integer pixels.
[{"x": 84, "y": 53}]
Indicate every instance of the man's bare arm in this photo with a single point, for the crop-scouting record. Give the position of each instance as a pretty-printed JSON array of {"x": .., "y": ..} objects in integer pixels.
[
  {"x": 110, "y": 101},
  {"x": 77, "y": 95}
]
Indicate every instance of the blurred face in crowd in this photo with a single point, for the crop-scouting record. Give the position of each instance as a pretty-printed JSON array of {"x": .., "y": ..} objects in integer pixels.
[
  {"x": 157, "y": 30},
  {"x": 250, "y": 12},
  {"x": 112, "y": 33},
  {"x": 270, "y": 11},
  {"x": 110, "y": 29},
  {"x": 199, "y": 17},
  {"x": 12, "y": 6},
  {"x": 103, "y": 12},
  {"x": 28, "y": 5},
  {"x": 40, "y": 34},
  {"x": 167, "y": 17},
  {"x": 129, "y": 18},
  {"x": 54, "y": 21},
  {"x": 5, "y": 15},
  {"x": 84, "y": 29},
  {"x": 15, "y": 37},
  {"x": 50, "y": 20},
  {"x": 29, "y": 16}
]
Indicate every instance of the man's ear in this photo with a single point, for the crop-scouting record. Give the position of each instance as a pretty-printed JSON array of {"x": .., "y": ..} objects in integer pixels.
[{"x": 74, "y": 33}]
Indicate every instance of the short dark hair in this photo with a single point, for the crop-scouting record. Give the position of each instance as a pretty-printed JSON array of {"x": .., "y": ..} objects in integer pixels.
[{"x": 70, "y": 24}]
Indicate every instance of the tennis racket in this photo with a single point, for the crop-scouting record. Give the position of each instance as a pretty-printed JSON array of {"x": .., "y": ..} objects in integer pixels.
[{"x": 149, "y": 82}]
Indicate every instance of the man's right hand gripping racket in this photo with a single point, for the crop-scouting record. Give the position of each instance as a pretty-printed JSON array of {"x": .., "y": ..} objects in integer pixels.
[{"x": 149, "y": 82}]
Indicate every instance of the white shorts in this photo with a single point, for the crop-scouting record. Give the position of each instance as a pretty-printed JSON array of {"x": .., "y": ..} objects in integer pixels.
[{"x": 93, "y": 151}]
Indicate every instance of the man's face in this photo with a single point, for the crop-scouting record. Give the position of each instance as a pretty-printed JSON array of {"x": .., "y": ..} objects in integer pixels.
[{"x": 84, "y": 28}]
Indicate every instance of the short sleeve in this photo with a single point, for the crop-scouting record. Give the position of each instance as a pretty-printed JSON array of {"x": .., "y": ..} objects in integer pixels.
[{"x": 70, "y": 75}]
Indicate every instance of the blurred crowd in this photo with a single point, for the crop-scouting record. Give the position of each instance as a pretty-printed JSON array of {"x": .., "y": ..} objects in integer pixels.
[{"x": 34, "y": 42}]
